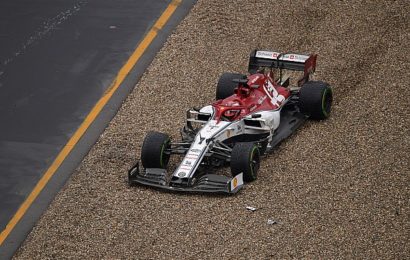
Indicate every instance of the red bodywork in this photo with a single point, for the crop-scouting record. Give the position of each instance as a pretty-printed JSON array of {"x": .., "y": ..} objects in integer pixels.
[{"x": 261, "y": 93}]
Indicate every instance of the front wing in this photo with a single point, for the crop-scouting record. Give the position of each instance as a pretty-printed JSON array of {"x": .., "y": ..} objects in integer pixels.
[{"x": 208, "y": 183}]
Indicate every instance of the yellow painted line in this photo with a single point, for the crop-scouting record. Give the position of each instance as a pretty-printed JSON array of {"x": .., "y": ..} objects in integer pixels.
[{"x": 139, "y": 51}]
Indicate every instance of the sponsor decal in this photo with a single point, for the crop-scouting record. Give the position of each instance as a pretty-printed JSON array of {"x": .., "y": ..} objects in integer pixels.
[
  {"x": 212, "y": 127},
  {"x": 295, "y": 57},
  {"x": 261, "y": 99},
  {"x": 275, "y": 102},
  {"x": 271, "y": 92},
  {"x": 271, "y": 88},
  {"x": 187, "y": 162},
  {"x": 235, "y": 183},
  {"x": 288, "y": 57},
  {"x": 267, "y": 54},
  {"x": 280, "y": 98},
  {"x": 195, "y": 150}
]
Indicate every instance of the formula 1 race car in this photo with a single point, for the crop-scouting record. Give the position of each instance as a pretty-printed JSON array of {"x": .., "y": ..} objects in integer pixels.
[{"x": 250, "y": 117}]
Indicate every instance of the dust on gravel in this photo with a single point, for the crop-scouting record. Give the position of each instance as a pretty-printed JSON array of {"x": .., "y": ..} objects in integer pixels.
[{"x": 339, "y": 188}]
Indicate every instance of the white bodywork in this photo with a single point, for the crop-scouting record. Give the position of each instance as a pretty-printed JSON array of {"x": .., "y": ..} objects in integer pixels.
[
  {"x": 273, "y": 55},
  {"x": 213, "y": 131}
]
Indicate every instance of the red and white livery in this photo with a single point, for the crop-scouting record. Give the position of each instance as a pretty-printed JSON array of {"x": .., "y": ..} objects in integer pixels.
[{"x": 251, "y": 115}]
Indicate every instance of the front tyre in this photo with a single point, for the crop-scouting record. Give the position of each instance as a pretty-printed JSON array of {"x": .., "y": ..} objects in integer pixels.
[
  {"x": 153, "y": 152},
  {"x": 315, "y": 99},
  {"x": 245, "y": 158}
]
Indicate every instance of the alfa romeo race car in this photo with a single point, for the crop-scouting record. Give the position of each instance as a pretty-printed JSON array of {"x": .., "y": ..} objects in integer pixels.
[{"x": 250, "y": 117}]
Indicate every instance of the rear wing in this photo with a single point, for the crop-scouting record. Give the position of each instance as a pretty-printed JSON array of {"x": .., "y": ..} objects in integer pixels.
[{"x": 288, "y": 61}]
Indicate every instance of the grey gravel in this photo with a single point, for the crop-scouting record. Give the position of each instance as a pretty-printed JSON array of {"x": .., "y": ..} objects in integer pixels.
[{"x": 339, "y": 188}]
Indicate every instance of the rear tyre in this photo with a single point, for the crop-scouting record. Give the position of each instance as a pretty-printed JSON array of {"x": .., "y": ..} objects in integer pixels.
[
  {"x": 315, "y": 99},
  {"x": 245, "y": 158},
  {"x": 225, "y": 86},
  {"x": 153, "y": 152}
]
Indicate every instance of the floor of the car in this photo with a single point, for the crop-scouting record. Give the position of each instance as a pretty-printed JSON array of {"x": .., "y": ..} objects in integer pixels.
[{"x": 290, "y": 120}]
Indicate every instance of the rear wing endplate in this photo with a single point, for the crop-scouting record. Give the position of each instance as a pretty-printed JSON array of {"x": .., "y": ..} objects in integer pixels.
[{"x": 289, "y": 61}]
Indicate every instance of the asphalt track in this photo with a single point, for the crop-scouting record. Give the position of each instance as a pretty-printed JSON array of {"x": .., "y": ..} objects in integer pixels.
[{"x": 57, "y": 59}]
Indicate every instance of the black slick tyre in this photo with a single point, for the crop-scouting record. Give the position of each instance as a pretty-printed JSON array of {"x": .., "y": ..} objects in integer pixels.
[
  {"x": 315, "y": 99},
  {"x": 245, "y": 158},
  {"x": 225, "y": 86},
  {"x": 153, "y": 152}
]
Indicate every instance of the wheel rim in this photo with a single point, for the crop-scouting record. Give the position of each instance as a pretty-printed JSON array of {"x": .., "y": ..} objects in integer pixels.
[
  {"x": 327, "y": 101},
  {"x": 164, "y": 158},
  {"x": 254, "y": 161}
]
